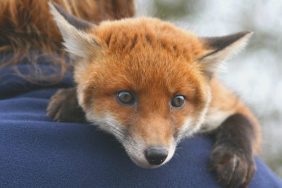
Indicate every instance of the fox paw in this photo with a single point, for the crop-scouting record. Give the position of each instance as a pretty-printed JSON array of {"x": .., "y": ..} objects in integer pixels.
[
  {"x": 63, "y": 106},
  {"x": 233, "y": 168}
]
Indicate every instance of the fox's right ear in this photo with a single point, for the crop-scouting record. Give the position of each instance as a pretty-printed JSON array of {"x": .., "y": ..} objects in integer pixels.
[
  {"x": 74, "y": 32},
  {"x": 222, "y": 48}
]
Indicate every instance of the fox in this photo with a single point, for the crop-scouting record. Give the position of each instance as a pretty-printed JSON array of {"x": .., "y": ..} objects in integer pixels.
[{"x": 151, "y": 84}]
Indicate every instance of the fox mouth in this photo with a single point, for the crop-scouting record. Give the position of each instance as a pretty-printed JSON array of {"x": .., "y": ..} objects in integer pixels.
[{"x": 143, "y": 163}]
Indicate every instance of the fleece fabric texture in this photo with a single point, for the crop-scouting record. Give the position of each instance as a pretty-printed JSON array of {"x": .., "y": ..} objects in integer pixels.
[{"x": 38, "y": 152}]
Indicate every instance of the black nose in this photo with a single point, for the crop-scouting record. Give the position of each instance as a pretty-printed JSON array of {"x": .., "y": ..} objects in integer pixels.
[{"x": 156, "y": 155}]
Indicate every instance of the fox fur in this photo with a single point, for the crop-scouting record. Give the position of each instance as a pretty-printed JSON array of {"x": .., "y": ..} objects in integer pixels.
[
  {"x": 156, "y": 61},
  {"x": 153, "y": 59}
]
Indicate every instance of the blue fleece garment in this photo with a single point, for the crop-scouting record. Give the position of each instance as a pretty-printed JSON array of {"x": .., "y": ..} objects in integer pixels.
[{"x": 38, "y": 152}]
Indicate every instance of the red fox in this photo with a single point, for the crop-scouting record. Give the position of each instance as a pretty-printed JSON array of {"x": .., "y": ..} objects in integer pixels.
[{"x": 151, "y": 84}]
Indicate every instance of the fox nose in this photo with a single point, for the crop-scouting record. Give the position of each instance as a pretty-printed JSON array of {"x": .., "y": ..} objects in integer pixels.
[{"x": 156, "y": 155}]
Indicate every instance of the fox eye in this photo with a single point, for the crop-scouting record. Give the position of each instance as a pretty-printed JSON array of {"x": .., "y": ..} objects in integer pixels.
[
  {"x": 178, "y": 101},
  {"x": 126, "y": 97}
]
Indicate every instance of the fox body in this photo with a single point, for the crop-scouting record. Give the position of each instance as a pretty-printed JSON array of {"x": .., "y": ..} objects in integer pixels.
[{"x": 151, "y": 84}]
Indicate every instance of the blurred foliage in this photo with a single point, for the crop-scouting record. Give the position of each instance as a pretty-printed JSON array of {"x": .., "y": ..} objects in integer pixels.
[{"x": 166, "y": 9}]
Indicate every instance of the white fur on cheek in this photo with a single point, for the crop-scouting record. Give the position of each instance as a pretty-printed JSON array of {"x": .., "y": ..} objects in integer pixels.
[
  {"x": 206, "y": 109},
  {"x": 80, "y": 96},
  {"x": 108, "y": 124},
  {"x": 185, "y": 130},
  {"x": 192, "y": 126},
  {"x": 134, "y": 147}
]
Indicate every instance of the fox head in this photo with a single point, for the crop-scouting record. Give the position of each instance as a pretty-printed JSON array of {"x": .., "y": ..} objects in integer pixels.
[{"x": 143, "y": 80}]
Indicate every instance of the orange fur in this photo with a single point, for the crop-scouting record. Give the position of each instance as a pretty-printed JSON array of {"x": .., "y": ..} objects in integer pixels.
[
  {"x": 156, "y": 60},
  {"x": 152, "y": 59},
  {"x": 155, "y": 63},
  {"x": 132, "y": 58}
]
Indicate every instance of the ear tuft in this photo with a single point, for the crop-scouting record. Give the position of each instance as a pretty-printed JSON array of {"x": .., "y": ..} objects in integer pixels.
[
  {"x": 74, "y": 32},
  {"x": 222, "y": 48}
]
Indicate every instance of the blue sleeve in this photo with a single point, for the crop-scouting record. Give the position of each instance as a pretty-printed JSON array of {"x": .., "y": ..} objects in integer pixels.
[{"x": 38, "y": 152}]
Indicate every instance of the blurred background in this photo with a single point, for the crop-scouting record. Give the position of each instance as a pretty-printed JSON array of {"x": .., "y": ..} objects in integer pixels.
[{"x": 256, "y": 73}]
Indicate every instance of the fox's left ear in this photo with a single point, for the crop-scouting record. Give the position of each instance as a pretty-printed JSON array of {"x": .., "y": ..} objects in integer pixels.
[
  {"x": 221, "y": 48},
  {"x": 77, "y": 40}
]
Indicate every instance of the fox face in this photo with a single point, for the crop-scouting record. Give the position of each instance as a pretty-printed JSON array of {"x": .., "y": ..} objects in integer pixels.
[
  {"x": 145, "y": 93},
  {"x": 143, "y": 80},
  {"x": 146, "y": 101}
]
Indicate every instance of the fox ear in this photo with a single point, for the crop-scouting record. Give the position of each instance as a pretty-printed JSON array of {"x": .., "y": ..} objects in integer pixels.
[
  {"x": 74, "y": 32},
  {"x": 222, "y": 48}
]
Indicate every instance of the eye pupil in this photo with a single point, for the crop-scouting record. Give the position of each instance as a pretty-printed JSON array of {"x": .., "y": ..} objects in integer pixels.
[
  {"x": 126, "y": 97},
  {"x": 178, "y": 101}
]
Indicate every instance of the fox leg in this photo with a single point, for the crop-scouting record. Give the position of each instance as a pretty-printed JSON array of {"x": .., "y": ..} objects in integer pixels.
[
  {"x": 63, "y": 106},
  {"x": 232, "y": 155},
  {"x": 237, "y": 138}
]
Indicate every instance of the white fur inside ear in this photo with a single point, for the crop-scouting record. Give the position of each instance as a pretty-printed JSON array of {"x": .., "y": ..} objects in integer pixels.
[
  {"x": 214, "y": 61},
  {"x": 77, "y": 42}
]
